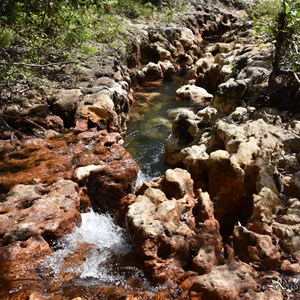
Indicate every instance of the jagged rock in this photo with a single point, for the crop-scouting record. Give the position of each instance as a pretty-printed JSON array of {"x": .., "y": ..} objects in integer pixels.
[
  {"x": 229, "y": 282},
  {"x": 177, "y": 183},
  {"x": 108, "y": 185},
  {"x": 256, "y": 248},
  {"x": 64, "y": 104},
  {"x": 167, "y": 232},
  {"x": 99, "y": 109},
  {"x": 151, "y": 72},
  {"x": 229, "y": 96},
  {"x": 186, "y": 38},
  {"x": 168, "y": 69},
  {"x": 232, "y": 162},
  {"x": 294, "y": 185}
]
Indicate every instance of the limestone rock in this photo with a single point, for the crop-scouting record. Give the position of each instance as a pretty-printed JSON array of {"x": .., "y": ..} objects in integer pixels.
[
  {"x": 167, "y": 232},
  {"x": 177, "y": 183},
  {"x": 64, "y": 103},
  {"x": 226, "y": 282},
  {"x": 151, "y": 72},
  {"x": 229, "y": 95},
  {"x": 32, "y": 218},
  {"x": 46, "y": 161},
  {"x": 98, "y": 109},
  {"x": 109, "y": 184},
  {"x": 24, "y": 107},
  {"x": 194, "y": 93}
]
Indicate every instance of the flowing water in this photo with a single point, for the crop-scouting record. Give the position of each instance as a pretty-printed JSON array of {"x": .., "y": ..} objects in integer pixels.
[
  {"x": 99, "y": 252},
  {"x": 96, "y": 254},
  {"x": 150, "y": 124}
]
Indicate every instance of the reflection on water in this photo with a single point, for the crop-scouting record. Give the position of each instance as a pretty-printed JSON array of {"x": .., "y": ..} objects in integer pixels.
[{"x": 150, "y": 124}]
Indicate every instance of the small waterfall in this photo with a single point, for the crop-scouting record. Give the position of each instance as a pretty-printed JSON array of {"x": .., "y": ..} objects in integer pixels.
[{"x": 104, "y": 241}]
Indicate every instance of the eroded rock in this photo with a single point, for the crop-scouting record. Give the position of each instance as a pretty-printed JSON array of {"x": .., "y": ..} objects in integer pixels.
[
  {"x": 32, "y": 218},
  {"x": 167, "y": 232}
]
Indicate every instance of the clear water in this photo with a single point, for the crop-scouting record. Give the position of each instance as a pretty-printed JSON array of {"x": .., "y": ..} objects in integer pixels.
[
  {"x": 150, "y": 124},
  {"x": 108, "y": 256}
]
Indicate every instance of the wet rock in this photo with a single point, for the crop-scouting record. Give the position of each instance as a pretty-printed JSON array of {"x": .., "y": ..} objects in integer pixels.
[
  {"x": 21, "y": 211},
  {"x": 47, "y": 160},
  {"x": 108, "y": 185},
  {"x": 32, "y": 218}
]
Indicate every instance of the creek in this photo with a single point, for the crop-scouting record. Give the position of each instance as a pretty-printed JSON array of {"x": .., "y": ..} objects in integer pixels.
[
  {"x": 98, "y": 253},
  {"x": 150, "y": 125}
]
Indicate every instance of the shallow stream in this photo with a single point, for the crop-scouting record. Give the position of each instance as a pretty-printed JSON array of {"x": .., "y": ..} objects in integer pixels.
[
  {"x": 103, "y": 247},
  {"x": 150, "y": 124}
]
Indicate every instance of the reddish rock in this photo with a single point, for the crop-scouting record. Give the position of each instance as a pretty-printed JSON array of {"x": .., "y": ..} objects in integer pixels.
[
  {"x": 256, "y": 248},
  {"x": 227, "y": 282},
  {"x": 32, "y": 217},
  {"x": 108, "y": 185},
  {"x": 46, "y": 160}
]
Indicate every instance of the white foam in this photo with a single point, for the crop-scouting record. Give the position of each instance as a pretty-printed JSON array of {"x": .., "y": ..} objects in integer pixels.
[{"x": 100, "y": 231}]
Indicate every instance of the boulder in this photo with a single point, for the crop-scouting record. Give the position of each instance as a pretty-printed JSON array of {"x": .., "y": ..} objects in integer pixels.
[
  {"x": 99, "y": 110},
  {"x": 64, "y": 104},
  {"x": 195, "y": 94},
  {"x": 106, "y": 186},
  {"x": 227, "y": 282},
  {"x": 151, "y": 72}
]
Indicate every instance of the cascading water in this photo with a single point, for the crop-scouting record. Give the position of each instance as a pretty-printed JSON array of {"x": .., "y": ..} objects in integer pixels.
[
  {"x": 99, "y": 252},
  {"x": 104, "y": 241}
]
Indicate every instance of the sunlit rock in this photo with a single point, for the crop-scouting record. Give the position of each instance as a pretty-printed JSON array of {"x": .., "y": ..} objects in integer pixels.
[
  {"x": 32, "y": 218},
  {"x": 98, "y": 109},
  {"x": 171, "y": 226},
  {"x": 196, "y": 94},
  {"x": 226, "y": 282},
  {"x": 151, "y": 72}
]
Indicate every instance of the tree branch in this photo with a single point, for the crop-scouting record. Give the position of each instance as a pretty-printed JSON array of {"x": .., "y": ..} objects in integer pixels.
[{"x": 41, "y": 65}]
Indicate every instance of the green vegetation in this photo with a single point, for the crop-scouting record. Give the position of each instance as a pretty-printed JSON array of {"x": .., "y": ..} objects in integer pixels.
[
  {"x": 40, "y": 32},
  {"x": 279, "y": 21}
]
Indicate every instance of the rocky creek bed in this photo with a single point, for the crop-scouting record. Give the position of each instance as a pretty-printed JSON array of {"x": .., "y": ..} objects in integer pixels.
[{"x": 221, "y": 223}]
